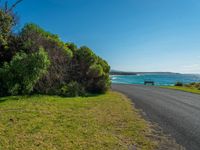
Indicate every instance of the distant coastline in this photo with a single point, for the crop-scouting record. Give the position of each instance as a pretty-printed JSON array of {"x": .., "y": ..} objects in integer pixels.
[
  {"x": 122, "y": 73},
  {"x": 113, "y": 72}
]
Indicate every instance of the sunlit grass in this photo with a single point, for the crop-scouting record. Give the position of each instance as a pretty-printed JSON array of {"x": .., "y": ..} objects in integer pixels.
[{"x": 93, "y": 123}]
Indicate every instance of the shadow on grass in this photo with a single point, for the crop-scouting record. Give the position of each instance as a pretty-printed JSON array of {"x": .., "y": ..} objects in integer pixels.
[
  {"x": 94, "y": 95},
  {"x": 15, "y": 98},
  {"x": 83, "y": 96},
  {"x": 3, "y": 99}
]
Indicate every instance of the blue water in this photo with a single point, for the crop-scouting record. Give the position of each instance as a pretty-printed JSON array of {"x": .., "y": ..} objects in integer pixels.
[{"x": 160, "y": 80}]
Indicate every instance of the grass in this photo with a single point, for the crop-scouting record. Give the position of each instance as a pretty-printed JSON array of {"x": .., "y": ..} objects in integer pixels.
[
  {"x": 183, "y": 88},
  {"x": 93, "y": 123}
]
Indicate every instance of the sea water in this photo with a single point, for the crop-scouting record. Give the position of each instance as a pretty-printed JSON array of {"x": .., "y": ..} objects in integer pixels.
[{"x": 159, "y": 79}]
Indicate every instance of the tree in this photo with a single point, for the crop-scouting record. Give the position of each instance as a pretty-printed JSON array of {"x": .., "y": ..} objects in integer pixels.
[
  {"x": 8, "y": 20},
  {"x": 6, "y": 23}
]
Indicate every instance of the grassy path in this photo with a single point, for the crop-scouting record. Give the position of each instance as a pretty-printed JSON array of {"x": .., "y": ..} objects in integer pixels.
[{"x": 94, "y": 123}]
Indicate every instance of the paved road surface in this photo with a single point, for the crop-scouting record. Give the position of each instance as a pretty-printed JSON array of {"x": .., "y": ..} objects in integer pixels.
[{"x": 177, "y": 112}]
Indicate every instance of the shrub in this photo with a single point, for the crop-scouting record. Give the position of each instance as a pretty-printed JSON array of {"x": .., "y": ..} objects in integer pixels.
[
  {"x": 22, "y": 73},
  {"x": 90, "y": 70},
  {"x": 179, "y": 84},
  {"x": 72, "y": 89},
  {"x": 197, "y": 85},
  {"x": 98, "y": 81},
  {"x": 59, "y": 54}
]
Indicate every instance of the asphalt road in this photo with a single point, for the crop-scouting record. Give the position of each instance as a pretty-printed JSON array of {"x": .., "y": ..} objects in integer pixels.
[{"x": 177, "y": 112}]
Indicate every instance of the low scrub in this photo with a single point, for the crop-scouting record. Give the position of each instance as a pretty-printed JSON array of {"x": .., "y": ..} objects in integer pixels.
[{"x": 194, "y": 85}]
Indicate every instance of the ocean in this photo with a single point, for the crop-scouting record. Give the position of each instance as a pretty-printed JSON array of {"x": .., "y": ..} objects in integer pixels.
[{"x": 159, "y": 79}]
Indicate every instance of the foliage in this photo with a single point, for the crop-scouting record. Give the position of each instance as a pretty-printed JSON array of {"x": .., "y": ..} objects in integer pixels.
[
  {"x": 194, "y": 85},
  {"x": 6, "y": 23},
  {"x": 80, "y": 70},
  {"x": 72, "y": 47},
  {"x": 8, "y": 20},
  {"x": 178, "y": 84},
  {"x": 14, "y": 45},
  {"x": 72, "y": 89},
  {"x": 90, "y": 70},
  {"x": 60, "y": 56},
  {"x": 22, "y": 73}
]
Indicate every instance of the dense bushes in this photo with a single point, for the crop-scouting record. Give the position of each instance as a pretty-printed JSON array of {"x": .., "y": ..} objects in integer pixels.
[
  {"x": 59, "y": 54},
  {"x": 21, "y": 74},
  {"x": 37, "y": 61},
  {"x": 90, "y": 70}
]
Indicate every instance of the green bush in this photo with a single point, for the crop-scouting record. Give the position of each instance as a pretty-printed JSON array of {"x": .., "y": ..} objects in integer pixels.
[
  {"x": 90, "y": 70},
  {"x": 72, "y": 89},
  {"x": 179, "y": 84},
  {"x": 22, "y": 73}
]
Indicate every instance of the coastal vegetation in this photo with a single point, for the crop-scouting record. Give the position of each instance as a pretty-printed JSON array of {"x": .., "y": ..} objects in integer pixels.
[
  {"x": 34, "y": 61},
  {"x": 51, "y": 122},
  {"x": 192, "y": 87}
]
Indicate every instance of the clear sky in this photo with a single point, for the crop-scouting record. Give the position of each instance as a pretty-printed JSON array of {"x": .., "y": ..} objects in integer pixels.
[{"x": 132, "y": 35}]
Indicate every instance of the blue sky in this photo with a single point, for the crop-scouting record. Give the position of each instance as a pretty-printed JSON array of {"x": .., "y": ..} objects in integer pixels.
[{"x": 132, "y": 35}]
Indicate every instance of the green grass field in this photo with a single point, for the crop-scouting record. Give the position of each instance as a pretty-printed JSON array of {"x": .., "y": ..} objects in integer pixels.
[
  {"x": 55, "y": 123},
  {"x": 183, "y": 88}
]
